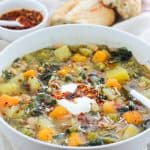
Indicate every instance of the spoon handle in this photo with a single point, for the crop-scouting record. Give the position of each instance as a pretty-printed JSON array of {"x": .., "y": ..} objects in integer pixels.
[
  {"x": 9, "y": 23},
  {"x": 145, "y": 101}
]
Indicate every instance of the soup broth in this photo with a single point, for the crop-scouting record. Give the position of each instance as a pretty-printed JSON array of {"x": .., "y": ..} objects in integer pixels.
[{"x": 75, "y": 95}]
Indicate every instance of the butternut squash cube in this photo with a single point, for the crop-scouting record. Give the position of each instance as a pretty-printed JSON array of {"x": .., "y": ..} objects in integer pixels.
[
  {"x": 30, "y": 73},
  {"x": 59, "y": 112},
  {"x": 109, "y": 107},
  {"x": 79, "y": 58},
  {"x": 46, "y": 134},
  {"x": 100, "y": 56},
  {"x": 133, "y": 117},
  {"x": 75, "y": 139},
  {"x": 64, "y": 71},
  {"x": 113, "y": 83},
  {"x": 6, "y": 101}
]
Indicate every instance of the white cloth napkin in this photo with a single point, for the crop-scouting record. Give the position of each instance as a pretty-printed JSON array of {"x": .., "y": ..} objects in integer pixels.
[{"x": 139, "y": 26}]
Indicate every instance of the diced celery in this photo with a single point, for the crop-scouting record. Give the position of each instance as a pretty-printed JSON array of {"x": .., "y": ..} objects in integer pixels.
[
  {"x": 34, "y": 84},
  {"x": 27, "y": 131},
  {"x": 100, "y": 66},
  {"x": 92, "y": 136},
  {"x": 85, "y": 51},
  {"x": 114, "y": 117}
]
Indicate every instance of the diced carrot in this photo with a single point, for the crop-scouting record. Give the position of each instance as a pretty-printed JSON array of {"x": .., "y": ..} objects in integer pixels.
[
  {"x": 59, "y": 112},
  {"x": 133, "y": 117},
  {"x": 46, "y": 134},
  {"x": 30, "y": 73},
  {"x": 75, "y": 139},
  {"x": 6, "y": 101},
  {"x": 109, "y": 107},
  {"x": 113, "y": 83},
  {"x": 79, "y": 58},
  {"x": 100, "y": 56},
  {"x": 64, "y": 71}
]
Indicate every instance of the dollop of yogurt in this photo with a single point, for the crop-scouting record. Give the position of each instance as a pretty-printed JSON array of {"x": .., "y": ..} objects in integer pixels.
[
  {"x": 79, "y": 105},
  {"x": 71, "y": 87}
]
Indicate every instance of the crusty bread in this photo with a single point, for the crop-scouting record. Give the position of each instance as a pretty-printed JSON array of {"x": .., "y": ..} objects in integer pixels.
[
  {"x": 125, "y": 8},
  {"x": 84, "y": 11},
  {"x": 59, "y": 14}
]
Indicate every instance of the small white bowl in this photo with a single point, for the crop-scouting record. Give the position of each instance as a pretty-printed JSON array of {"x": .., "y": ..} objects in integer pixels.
[{"x": 8, "y": 5}]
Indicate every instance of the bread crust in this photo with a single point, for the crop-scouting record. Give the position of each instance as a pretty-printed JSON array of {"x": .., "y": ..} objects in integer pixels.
[
  {"x": 62, "y": 11},
  {"x": 84, "y": 11},
  {"x": 125, "y": 8}
]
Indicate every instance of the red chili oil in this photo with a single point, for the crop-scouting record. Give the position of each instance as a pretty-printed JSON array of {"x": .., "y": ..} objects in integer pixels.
[{"x": 28, "y": 18}]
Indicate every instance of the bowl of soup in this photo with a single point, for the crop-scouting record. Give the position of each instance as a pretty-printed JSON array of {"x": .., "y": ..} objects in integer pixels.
[
  {"x": 31, "y": 14},
  {"x": 63, "y": 87}
]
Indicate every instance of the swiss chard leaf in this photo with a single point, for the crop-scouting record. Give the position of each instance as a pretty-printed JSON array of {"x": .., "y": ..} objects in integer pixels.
[
  {"x": 46, "y": 75},
  {"x": 95, "y": 142},
  {"x": 7, "y": 75},
  {"x": 39, "y": 103},
  {"x": 121, "y": 54}
]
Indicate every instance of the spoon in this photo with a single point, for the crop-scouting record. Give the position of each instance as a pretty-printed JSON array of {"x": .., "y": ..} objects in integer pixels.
[
  {"x": 10, "y": 23},
  {"x": 140, "y": 97}
]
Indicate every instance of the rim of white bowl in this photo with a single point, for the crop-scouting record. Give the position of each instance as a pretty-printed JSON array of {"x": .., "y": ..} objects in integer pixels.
[
  {"x": 44, "y": 21},
  {"x": 70, "y": 147}
]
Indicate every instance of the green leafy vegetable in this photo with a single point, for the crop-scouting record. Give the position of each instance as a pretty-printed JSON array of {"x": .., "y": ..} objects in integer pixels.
[
  {"x": 146, "y": 124},
  {"x": 39, "y": 103},
  {"x": 49, "y": 69},
  {"x": 45, "y": 98},
  {"x": 34, "y": 108},
  {"x": 27, "y": 131},
  {"x": 121, "y": 54},
  {"x": 7, "y": 75},
  {"x": 41, "y": 56},
  {"x": 95, "y": 142},
  {"x": 109, "y": 139}
]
